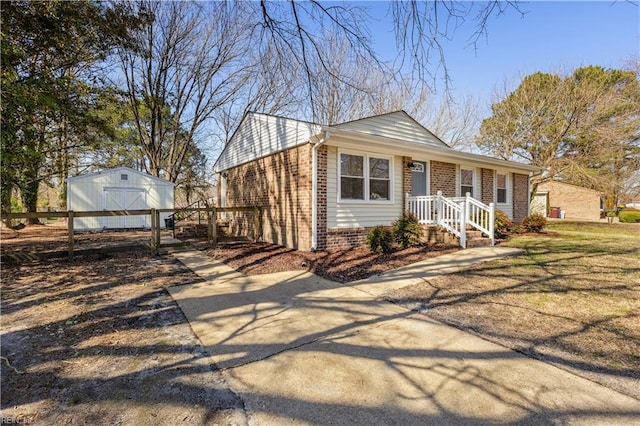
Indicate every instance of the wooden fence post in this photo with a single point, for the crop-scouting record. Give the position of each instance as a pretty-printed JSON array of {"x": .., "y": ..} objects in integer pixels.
[
  {"x": 152, "y": 243},
  {"x": 213, "y": 226},
  {"x": 157, "y": 234},
  {"x": 70, "y": 231}
]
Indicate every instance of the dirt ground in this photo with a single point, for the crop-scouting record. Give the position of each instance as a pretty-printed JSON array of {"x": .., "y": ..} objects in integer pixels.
[
  {"x": 342, "y": 266},
  {"x": 53, "y": 237},
  {"x": 99, "y": 341}
]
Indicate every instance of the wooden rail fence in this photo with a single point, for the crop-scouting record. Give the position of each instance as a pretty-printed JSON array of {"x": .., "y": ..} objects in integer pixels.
[{"x": 211, "y": 213}]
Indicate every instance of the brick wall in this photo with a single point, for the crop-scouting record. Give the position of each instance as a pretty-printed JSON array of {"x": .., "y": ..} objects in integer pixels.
[
  {"x": 577, "y": 202},
  {"x": 282, "y": 184},
  {"x": 486, "y": 185},
  {"x": 321, "y": 228},
  {"x": 407, "y": 184},
  {"x": 520, "y": 197},
  {"x": 345, "y": 238},
  {"x": 443, "y": 178}
]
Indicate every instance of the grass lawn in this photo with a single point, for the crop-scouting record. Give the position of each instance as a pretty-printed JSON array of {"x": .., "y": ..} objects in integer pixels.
[{"x": 573, "y": 298}]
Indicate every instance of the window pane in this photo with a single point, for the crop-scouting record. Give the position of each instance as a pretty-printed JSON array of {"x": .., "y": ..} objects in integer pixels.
[
  {"x": 501, "y": 180},
  {"x": 351, "y": 188},
  {"x": 464, "y": 189},
  {"x": 351, "y": 165},
  {"x": 466, "y": 177},
  {"x": 379, "y": 189},
  {"x": 378, "y": 168},
  {"x": 502, "y": 195}
]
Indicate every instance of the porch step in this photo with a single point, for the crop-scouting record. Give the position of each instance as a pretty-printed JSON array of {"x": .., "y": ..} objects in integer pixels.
[
  {"x": 476, "y": 238},
  {"x": 478, "y": 242}
]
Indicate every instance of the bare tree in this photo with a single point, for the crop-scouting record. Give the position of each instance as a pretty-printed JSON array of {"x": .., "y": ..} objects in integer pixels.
[
  {"x": 183, "y": 70},
  {"x": 295, "y": 30}
]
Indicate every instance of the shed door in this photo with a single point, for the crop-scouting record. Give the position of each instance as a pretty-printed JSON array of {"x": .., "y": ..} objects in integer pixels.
[
  {"x": 125, "y": 199},
  {"x": 419, "y": 178}
]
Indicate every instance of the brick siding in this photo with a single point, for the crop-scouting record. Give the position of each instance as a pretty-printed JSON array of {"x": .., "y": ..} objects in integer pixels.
[
  {"x": 486, "y": 178},
  {"x": 407, "y": 184},
  {"x": 443, "y": 178},
  {"x": 520, "y": 197},
  {"x": 346, "y": 238},
  {"x": 282, "y": 184},
  {"x": 321, "y": 211},
  {"x": 577, "y": 202}
]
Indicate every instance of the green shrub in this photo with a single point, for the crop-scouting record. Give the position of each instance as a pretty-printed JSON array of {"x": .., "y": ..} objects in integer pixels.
[
  {"x": 407, "y": 230},
  {"x": 629, "y": 216},
  {"x": 501, "y": 224},
  {"x": 380, "y": 239},
  {"x": 534, "y": 222}
]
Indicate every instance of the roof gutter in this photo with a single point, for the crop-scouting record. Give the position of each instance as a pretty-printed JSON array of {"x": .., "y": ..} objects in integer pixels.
[{"x": 314, "y": 188}]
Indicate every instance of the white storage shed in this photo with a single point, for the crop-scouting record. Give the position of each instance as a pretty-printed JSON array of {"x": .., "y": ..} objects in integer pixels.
[{"x": 121, "y": 188}]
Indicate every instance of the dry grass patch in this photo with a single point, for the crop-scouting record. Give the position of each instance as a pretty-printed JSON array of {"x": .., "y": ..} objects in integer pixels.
[{"x": 572, "y": 299}]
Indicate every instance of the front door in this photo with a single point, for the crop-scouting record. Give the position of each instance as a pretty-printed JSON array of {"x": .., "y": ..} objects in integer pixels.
[{"x": 419, "y": 178}]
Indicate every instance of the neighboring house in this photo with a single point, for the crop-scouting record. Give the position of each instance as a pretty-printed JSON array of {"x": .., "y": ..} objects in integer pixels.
[
  {"x": 575, "y": 202},
  {"x": 326, "y": 186},
  {"x": 121, "y": 188}
]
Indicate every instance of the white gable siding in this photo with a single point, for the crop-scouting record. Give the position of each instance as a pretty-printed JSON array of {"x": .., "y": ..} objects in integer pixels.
[
  {"x": 87, "y": 193},
  {"x": 396, "y": 125},
  {"x": 360, "y": 214},
  {"x": 260, "y": 135}
]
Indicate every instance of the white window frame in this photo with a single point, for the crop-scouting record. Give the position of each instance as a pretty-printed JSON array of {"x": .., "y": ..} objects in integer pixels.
[
  {"x": 367, "y": 180},
  {"x": 474, "y": 181},
  {"x": 507, "y": 187}
]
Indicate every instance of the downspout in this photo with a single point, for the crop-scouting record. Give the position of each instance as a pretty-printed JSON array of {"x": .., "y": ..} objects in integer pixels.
[{"x": 314, "y": 190}]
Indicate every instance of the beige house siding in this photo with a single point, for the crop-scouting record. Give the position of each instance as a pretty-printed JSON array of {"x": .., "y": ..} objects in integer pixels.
[
  {"x": 577, "y": 202},
  {"x": 282, "y": 184}
]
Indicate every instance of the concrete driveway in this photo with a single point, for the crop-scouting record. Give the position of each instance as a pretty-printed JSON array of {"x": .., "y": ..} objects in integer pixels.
[{"x": 299, "y": 349}]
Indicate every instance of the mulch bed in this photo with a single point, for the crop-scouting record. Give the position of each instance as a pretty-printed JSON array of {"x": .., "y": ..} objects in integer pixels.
[{"x": 342, "y": 266}]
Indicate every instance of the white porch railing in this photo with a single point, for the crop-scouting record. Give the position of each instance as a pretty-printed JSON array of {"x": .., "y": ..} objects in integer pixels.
[{"x": 453, "y": 214}]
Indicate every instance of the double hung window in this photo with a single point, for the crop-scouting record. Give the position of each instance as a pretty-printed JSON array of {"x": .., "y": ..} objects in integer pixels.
[
  {"x": 365, "y": 177},
  {"x": 501, "y": 188},
  {"x": 466, "y": 182}
]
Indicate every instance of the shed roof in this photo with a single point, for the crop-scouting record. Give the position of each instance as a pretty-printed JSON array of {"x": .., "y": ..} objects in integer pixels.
[{"x": 116, "y": 170}]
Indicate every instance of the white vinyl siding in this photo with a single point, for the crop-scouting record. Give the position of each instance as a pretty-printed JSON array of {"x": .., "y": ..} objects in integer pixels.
[
  {"x": 260, "y": 135},
  {"x": 396, "y": 125},
  {"x": 358, "y": 213}
]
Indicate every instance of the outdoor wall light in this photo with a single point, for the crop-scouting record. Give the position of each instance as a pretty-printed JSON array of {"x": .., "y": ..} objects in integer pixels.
[
  {"x": 410, "y": 165},
  {"x": 225, "y": 175}
]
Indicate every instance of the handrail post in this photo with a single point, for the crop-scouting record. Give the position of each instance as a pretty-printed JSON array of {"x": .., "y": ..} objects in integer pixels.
[
  {"x": 463, "y": 225},
  {"x": 439, "y": 208},
  {"x": 467, "y": 207},
  {"x": 70, "y": 231},
  {"x": 492, "y": 218}
]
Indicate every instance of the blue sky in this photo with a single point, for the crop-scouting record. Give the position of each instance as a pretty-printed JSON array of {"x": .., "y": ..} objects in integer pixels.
[{"x": 551, "y": 37}]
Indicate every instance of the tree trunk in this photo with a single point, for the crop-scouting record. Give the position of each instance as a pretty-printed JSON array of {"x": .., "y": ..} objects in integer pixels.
[{"x": 30, "y": 198}]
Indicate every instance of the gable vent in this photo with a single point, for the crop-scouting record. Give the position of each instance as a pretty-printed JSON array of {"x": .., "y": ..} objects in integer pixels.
[{"x": 124, "y": 176}]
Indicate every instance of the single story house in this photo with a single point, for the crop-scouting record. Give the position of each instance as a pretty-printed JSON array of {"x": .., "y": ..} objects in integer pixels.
[
  {"x": 326, "y": 186},
  {"x": 563, "y": 200},
  {"x": 120, "y": 188}
]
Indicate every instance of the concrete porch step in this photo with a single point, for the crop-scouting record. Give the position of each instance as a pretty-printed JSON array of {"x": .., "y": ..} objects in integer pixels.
[{"x": 478, "y": 242}]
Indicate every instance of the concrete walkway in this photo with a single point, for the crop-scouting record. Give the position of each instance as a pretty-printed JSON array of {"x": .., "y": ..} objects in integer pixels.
[{"x": 299, "y": 349}]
